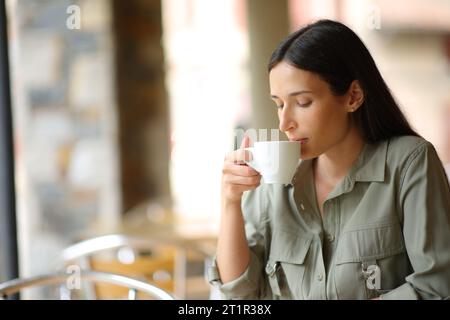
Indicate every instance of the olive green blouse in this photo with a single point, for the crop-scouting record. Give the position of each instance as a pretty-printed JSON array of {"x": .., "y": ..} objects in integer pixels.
[{"x": 385, "y": 231}]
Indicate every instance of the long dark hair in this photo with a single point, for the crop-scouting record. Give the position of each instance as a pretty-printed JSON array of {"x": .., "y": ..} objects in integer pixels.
[{"x": 334, "y": 52}]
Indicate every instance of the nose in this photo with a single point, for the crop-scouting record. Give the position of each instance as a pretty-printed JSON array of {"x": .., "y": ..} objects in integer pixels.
[{"x": 287, "y": 120}]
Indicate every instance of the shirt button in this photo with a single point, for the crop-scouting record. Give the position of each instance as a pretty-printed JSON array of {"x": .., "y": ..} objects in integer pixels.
[
  {"x": 330, "y": 237},
  {"x": 320, "y": 277}
]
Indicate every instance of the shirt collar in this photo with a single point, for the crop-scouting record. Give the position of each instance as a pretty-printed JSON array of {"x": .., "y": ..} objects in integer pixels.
[{"x": 370, "y": 166}]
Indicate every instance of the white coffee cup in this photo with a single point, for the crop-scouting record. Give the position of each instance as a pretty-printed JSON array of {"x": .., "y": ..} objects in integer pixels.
[{"x": 276, "y": 161}]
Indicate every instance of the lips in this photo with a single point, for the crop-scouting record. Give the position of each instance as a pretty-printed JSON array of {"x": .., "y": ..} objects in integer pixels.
[{"x": 301, "y": 140}]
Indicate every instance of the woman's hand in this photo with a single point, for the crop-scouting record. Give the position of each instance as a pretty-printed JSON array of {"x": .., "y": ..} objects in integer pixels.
[{"x": 237, "y": 177}]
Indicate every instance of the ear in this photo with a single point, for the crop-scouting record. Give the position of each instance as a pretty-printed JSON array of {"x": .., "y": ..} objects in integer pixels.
[{"x": 355, "y": 96}]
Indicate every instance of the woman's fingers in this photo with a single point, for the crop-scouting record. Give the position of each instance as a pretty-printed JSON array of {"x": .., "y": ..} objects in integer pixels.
[
  {"x": 236, "y": 176},
  {"x": 245, "y": 142},
  {"x": 239, "y": 156},
  {"x": 241, "y": 180},
  {"x": 239, "y": 170}
]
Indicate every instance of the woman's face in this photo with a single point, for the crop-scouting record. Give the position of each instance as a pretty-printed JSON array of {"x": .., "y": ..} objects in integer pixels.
[{"x": 308, "y": 110}]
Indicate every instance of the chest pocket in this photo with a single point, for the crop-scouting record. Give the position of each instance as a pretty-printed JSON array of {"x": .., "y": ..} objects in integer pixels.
[
  {"x": 286, "y": 263},
  {"x": 370, "y": 260}
]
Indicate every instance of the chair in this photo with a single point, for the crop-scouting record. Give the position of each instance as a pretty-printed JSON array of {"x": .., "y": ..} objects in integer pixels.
[
  {"x": 161, "y": 262},
  {"x": 69, "y": 282}
]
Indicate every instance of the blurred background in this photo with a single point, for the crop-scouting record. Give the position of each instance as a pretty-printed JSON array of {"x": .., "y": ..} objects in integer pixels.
[{"x": 122, "y": 111}]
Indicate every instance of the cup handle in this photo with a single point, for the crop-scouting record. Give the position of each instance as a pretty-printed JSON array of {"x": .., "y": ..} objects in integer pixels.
[{"x": 251, "y": 163}]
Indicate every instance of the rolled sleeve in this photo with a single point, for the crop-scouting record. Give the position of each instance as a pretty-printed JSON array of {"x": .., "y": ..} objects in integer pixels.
[
  {"x": 425, "y": 201},
  {"x": 252, "y": 283},
  {"x": 246, "y": 286}
]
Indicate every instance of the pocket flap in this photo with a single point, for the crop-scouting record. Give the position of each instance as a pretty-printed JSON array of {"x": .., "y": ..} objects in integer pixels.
[
  {"x": 370, "y": 244},
  {"x": 287, "y": 246}
]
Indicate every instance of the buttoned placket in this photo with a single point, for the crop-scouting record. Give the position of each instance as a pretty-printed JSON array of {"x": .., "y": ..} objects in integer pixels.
[
  {"x": 325, "y": 228},
  {"x": 329, "y": 230}
]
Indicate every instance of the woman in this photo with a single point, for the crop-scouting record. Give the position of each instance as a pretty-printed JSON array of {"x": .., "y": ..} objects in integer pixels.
[{"x": 367, "y": 214}]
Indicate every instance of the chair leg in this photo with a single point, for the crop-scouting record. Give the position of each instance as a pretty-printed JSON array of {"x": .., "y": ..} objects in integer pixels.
[
  {"x": 132, "y": 294},
  {"x": 180, "y": 273},
  {"x": 64, "y": 292}
]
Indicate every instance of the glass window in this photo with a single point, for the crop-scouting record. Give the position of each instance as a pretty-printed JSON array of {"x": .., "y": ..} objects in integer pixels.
[{"x": 61, "y": 57}]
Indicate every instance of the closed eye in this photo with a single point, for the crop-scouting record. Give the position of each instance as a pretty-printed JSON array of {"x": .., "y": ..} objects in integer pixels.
[{"x": 304, "y": 105}]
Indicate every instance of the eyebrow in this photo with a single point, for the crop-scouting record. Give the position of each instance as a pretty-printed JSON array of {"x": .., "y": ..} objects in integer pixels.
[{"x": 292, "y": 94}]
